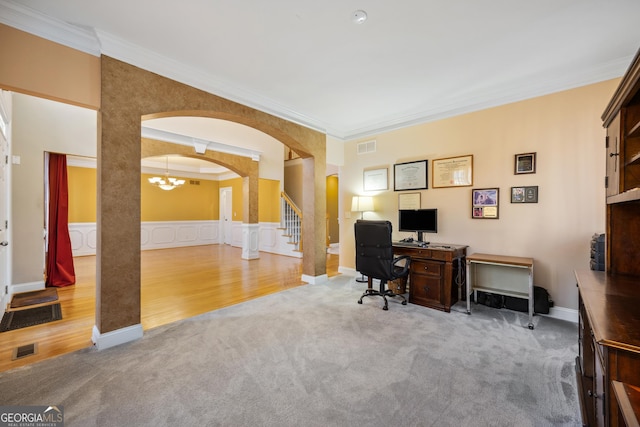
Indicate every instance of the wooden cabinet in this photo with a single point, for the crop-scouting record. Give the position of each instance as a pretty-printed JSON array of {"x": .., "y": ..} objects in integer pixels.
[
  {"x": 436, "y": 276},
  {"x": 622, "y": 121},
  {"x": 609, "y": 342},
  {"x": 609, "y": 301}
]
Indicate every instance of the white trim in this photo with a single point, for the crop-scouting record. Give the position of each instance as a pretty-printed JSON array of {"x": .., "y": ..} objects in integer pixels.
[
  {"x": 16, "y": 289},
  {"x": 562, "y": 313},
  {"x": 315, "y": 280},
  {"x": 200, "y": 145},
  {"x": 117, "y": 337},
  {"x": 96, "y": 42},
  {"x": 41, "y": 25},
  {"x": 250, "y": 241}
]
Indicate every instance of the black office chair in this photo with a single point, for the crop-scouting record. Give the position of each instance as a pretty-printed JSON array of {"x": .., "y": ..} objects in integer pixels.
[{"x": 374, "y": 258}]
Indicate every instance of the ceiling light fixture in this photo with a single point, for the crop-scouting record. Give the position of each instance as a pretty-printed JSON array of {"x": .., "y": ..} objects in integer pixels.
[
  {"x": 165, "y": 182},
  {"x": 359, "y": 16}
]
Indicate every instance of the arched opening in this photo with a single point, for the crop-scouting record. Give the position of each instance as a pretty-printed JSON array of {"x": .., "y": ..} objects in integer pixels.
[{"x": 129, "y": 95}]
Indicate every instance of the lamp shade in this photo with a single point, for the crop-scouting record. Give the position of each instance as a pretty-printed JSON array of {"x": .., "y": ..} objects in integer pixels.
[{"x": 362, "y": 204}]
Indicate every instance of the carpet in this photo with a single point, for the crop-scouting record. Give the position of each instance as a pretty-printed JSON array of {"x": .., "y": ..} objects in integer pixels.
[
  {"x": 312, "y": 356},
  {"x": 30, "y": 317},
  {"x": 41, "y": 296}
]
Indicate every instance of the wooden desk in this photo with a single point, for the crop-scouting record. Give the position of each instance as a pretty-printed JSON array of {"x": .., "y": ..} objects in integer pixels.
[
  {"x": 502, "y": 275},
  {"x": 436, "y": 276}
]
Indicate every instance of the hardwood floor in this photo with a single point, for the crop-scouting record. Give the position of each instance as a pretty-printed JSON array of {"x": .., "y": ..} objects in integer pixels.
[{"x": 176, "y": 284}]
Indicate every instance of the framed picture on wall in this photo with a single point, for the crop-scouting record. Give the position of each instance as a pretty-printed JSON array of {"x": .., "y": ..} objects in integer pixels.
[
  {"x": 484, "y": 203},
  {"x": 410, "y": 176},
  {"x": 524, "y": 194},
  {"x": 525, "y": 163},
  {"x": 375, "y": 180}
]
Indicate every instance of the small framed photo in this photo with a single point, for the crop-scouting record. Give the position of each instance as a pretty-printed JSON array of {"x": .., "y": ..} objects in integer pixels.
[
  {"x": 375, "y": 180},
  {"x": 524, "y": 194},
  {"x": 484, "y": 203},
  {"x": 525, "y": 163}
]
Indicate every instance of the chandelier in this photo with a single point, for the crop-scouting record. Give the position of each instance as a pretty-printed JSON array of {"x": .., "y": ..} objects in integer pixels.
[{"x": 165, "y": 182}]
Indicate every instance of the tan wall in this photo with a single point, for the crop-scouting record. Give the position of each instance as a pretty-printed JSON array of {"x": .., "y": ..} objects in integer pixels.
[
  {"x": 293, "y": 182},
  {"x": 36, "y": 66},
  {"x": 82, "y": 194},
  {"x": 333, "y": 225},
  {"x": 566, "y": 132},
  {"x": 269, "y": 200}
]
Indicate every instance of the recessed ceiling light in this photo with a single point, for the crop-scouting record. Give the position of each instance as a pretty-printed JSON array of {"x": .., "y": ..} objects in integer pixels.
[{"x": 359, "y": 16}]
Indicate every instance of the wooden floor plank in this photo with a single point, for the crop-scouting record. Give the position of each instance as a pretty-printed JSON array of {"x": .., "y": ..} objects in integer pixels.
[{"x": 177, "y": 283}]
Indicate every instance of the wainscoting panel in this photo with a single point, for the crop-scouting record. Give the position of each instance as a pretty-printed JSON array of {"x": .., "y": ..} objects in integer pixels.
[{"x": 173, "y": 234}]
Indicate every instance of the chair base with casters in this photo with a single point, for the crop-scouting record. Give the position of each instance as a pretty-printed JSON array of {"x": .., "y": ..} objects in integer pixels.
[{"x": 384, "y": 293}]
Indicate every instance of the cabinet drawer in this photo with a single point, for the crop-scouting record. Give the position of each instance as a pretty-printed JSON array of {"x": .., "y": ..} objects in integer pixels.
[
  {"x": 431, "y": 268},
  {"x": 424, "y": 289}
]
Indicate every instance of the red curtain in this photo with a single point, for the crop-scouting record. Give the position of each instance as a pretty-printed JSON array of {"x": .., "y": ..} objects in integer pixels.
[{"x": 60, "y": 271}]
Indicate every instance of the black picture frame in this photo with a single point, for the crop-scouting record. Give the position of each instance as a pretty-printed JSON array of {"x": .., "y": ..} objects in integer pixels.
[
  {"x": 525, "y": 163},
  {"x": 528, "y": 194},
  {"x": 411, "y": 176}
]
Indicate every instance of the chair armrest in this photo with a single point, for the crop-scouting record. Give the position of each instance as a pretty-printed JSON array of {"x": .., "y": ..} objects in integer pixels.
[{"x": 407, "y": 264}]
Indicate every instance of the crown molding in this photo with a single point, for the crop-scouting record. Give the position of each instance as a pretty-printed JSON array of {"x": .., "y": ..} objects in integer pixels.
[
  {"x": 491, "y": 98},
  {"x": 95, "y": 42},
  {"x": 36, "y": 23},
  {"x": 189, "y": 141}
]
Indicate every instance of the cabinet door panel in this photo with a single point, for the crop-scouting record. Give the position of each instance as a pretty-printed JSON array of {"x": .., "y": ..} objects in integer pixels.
[
  {"x": 425, "y": 289},
  {"x": 613, "y": 157}
]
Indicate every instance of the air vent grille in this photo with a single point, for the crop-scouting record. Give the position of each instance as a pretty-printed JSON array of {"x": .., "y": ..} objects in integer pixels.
[
  {"x": 194, "y": 182},
  {"x": 367, "y": 147}
]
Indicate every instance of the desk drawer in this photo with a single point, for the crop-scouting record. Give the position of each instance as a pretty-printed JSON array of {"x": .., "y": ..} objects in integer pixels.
[
  {"x": 430, "y": 268},
  {"x": 425, "y": 290}
]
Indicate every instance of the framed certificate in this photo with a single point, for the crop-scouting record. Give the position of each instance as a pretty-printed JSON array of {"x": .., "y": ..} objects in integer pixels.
[
  {"x": 410, "y": 176},
  {"x": 375, "y": 179},
  {"x": 452, "y": 172},
  {"x": 408, "y": 201}
]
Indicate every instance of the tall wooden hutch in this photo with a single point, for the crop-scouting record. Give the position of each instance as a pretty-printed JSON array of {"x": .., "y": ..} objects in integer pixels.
[{"x": 608, "y": 364}]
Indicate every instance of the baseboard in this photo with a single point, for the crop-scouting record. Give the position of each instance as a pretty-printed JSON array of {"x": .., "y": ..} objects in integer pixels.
[
  {"x": 25, "y": 287},
  {"x": 117, "y": 337},
  {"x": 315, "y": 280},
  {"x": 563, "y": 313}
]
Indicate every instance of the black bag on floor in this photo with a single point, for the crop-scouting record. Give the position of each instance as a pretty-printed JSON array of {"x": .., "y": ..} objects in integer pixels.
[
  {"x": 490, "y": 300},
  {"x": 541, "y": 302}
]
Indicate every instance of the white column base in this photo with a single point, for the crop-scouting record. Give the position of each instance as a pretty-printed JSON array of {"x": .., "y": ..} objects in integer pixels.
[
  {"x": 117, "y": 337},
  {"x": 315, "y": 280},
  {"x": 250, "y": 241}
]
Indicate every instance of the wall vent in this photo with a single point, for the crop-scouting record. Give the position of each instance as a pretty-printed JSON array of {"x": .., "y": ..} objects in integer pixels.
[
  {"x": 367, "y": 147},
  {"x": 194, "y": 182}
]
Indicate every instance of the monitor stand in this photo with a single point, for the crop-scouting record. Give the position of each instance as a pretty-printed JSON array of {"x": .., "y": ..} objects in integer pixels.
[{"x": 420, "y": 237}]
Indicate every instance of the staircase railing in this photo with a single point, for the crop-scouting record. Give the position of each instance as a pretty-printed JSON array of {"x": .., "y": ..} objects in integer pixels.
[{"x": 291, "y": 220}]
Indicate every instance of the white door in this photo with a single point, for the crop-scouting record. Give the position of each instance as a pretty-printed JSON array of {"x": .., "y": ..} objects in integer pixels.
[
  {"x": 4, "y": 196},
  {"x": 226, "y": 216}
]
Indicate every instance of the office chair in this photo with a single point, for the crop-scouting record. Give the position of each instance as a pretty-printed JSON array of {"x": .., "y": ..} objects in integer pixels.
[{"x": 374, "y": 258}]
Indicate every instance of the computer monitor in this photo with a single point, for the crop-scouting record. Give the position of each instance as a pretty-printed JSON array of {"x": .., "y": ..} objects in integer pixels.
[{"x": 418, "y": 221}]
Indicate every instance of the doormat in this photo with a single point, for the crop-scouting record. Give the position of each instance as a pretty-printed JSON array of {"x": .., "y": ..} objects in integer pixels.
[
  {"x": 41, "y": 296},
  {"x": 30, "y": 317}
]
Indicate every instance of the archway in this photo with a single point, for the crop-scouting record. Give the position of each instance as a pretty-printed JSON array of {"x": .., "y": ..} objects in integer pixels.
[{"x": 129, "y": 94}]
